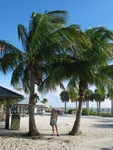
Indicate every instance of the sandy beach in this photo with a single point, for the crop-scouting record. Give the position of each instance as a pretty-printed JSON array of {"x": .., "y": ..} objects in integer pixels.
[{"x": 93, "y": 130}]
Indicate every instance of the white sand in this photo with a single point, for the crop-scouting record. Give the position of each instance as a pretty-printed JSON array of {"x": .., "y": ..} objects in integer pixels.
[{"x": 92, "y": 128}]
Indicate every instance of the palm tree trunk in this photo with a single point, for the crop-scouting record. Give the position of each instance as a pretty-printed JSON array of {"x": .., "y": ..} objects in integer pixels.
[
  {"x": 65, "y": 107},
  {"x": 87, "y": 107},
  {"x": 76, "y": 106},
  {"x": 32, "y": 125},
  {"x": 76, "y": 127},
  {"x": 99, "y": 108}
]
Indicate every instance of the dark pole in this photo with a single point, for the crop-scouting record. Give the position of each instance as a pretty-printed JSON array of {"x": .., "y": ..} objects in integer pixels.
[{"x": 7, "y": 114}]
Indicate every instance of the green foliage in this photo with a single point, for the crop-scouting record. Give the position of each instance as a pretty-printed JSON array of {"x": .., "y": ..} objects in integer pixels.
[
  {"x": 93, "y": 113},
  {"x": 71, "y": 110},
  {"x": 64, "y": 96},
  {"x": 105, "y": 114},
  {"x": 44, "y": 100},
  {"x": 84, "y": 111}
]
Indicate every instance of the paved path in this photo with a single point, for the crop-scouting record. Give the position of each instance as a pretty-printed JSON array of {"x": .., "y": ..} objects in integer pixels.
[{"x": 102, "y": 144}]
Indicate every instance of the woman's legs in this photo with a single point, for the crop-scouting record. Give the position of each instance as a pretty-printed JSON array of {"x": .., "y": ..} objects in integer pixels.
[
  {"x": 56, "y": 129},
  {"x": 53, "y": 129}
]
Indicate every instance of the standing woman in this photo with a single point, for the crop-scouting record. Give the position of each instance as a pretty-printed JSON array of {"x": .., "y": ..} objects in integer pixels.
[{"x": 53, "y": 121}]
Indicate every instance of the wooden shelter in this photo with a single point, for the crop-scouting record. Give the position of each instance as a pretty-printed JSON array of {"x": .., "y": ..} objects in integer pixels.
[
  {"x": 24, "y": 103},
  {"x": 8, "y": 95}
]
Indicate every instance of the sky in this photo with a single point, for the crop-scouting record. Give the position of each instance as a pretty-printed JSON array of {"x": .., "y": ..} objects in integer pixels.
[{"x": 86, "y": 13}]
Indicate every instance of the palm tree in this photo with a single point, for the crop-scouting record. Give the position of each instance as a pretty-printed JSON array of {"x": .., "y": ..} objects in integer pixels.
[
  {"x": 98, "y": 98},
  {"x": 46, "y": 36},
  {"x": 73, "y": 95},
  {"x": 90, "y": 65},
  {"x": 7, "y": 64},
  {"x": 64, "y": 97},
  {"x": 44, "y": 100},
  {"x": 84, "y": 65},
  {"x": 7, "y": 52},
  {"x": 88, "y": 97},
  {"x": 110, "y": 97}
]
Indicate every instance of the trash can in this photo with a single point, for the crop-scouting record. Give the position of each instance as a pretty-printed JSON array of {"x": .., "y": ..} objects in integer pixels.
[{"x": 15, "y": 122}]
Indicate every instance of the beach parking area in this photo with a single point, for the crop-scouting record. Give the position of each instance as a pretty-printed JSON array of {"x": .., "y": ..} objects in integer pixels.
[{"x": 92, "y": 129}]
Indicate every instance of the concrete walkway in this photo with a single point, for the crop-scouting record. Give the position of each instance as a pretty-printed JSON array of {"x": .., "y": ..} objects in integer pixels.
[{"x": 102, "y": 144}]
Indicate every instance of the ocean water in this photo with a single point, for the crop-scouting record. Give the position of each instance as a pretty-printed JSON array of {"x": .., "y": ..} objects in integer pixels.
[{"x": 103, "y": 110}]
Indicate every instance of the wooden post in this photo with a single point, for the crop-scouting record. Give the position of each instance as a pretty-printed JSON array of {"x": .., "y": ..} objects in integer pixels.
[
  {"x": 23, "y": 111},
  {"x": 7, "y": 114},
  {"x": 20, "y": 110},
  {"x": 111, "y": 107}
]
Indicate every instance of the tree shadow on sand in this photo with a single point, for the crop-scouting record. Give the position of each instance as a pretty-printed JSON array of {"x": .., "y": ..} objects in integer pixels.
[
  {"x": 8, "y": 133},
  {"x": 107, "y": 148},
  {"x": 103, "y": 125}
]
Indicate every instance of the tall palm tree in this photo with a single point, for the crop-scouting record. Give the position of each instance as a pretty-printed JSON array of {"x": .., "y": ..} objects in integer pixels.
[
  {"x": 46, "y": 36},
  {"x": 36, "y": 47},
  {"x": 84, "y": 65},
  {"x": 90, "y": 65}
]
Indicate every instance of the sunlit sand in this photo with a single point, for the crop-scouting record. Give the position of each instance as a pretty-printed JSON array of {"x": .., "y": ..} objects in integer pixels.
[{"x": 92, "y": 128}]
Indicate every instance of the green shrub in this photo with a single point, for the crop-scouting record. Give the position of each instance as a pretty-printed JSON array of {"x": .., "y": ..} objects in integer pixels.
[
  {"x": 105, "y": 114},
  {"x": 84, "y": 111},
  {"x": 93, "y": 113},
  {"x": 70, "y": 111}
]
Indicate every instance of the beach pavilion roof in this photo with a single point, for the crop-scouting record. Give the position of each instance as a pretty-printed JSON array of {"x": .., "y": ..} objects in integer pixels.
[
  {"x": 25, "y": 101},
  {"x": 6, "y": 94}
]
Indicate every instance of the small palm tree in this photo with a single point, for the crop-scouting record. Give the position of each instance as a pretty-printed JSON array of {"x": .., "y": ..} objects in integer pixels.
[
  {"x": 110, "y": 97},
  {"x": 88, "y": 97},
  {"x": 73, "y": 95},
  {"x": 98, "y": 98},
  {"x": 44, "y": 100},
  {"x": 64, "y": 97}
]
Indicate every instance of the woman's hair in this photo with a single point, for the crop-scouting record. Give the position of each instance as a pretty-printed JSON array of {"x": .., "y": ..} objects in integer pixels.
[{"x": 54, "y": 111}]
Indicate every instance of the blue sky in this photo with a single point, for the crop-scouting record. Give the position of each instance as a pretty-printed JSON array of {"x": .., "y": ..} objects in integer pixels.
[{"x": 86, "y": 13}]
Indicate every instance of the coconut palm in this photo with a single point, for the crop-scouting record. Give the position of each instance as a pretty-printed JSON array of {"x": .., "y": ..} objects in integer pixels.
[
  {"x": 89, "y": 70},
  {"x": 84, "y": 65},
  {"x": 37, "y": 48},
  {"x": 45, "y": 37}
]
